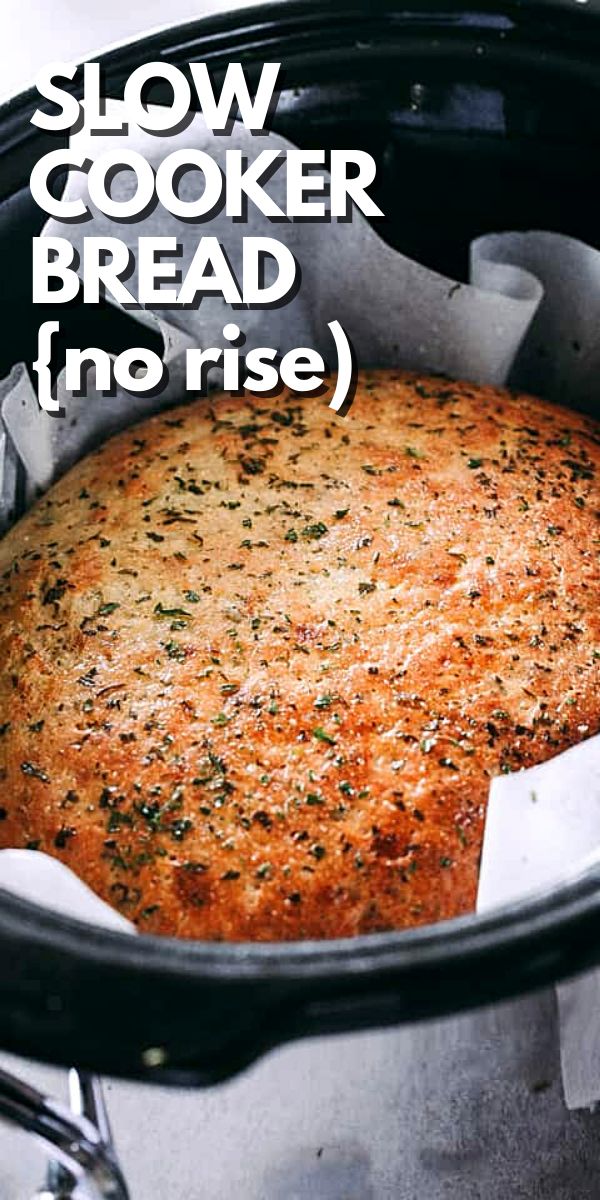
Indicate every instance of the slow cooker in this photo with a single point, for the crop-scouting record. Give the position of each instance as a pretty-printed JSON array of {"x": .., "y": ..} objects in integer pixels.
[{"x": 480, "y": 117}]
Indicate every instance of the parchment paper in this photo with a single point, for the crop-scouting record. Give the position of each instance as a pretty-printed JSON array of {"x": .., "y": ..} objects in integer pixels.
[{"x": 541, "y": 826}]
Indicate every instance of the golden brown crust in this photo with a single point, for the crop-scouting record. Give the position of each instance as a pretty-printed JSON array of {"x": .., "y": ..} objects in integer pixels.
[{"x": 260, "y": 661}]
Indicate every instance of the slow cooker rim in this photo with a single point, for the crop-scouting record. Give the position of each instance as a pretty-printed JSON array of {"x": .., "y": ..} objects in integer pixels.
[
  {"x": 282, "y": 13},
  {"x": 546, "y": 918}
]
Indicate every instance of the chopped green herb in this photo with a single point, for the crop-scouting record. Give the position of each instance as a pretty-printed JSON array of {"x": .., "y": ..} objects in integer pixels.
[
  {"x": 175, "y": 650},
  {"x": 169, "y": 613},
  {"x": 34, "y": 772},
  {"x": 322, "y": 736},
  {"x": 252, "y": 466},
  {"x": 314, "y": 532}
]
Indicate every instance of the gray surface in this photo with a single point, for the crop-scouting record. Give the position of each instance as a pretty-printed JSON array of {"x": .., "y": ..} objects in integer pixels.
[
  {"x": 469, "y": 1108},
  {"x": 36, "y": 32}
]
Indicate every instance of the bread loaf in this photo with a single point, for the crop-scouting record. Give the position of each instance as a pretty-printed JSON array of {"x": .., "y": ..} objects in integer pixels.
[{"x": 260, "y": 662}]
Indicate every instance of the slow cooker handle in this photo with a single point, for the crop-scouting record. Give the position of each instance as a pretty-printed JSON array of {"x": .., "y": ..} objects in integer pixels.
[{"x": 78, "y": 1138}]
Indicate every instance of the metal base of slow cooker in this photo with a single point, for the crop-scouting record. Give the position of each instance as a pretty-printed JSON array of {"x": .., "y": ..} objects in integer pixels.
[
  {"x": 468, "y": 1107},
  {"x": 78, "y": 1140}
]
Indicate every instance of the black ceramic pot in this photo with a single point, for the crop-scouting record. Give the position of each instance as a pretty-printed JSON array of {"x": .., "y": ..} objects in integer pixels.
[{"x": 480, "y": 118}]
